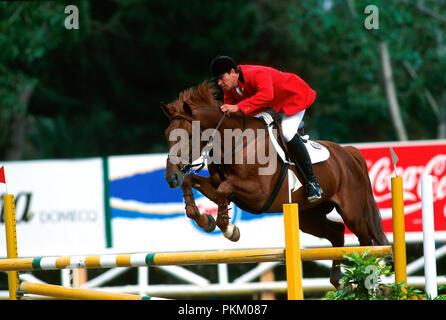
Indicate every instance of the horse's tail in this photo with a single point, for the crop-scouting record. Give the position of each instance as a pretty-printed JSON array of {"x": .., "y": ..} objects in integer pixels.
[
  {"x": 373, "y": 216},
  {"x": 374, "y": 221}
]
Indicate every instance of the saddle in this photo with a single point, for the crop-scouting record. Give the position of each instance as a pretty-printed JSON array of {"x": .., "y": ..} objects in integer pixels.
[{"x": 318, "y": 153}]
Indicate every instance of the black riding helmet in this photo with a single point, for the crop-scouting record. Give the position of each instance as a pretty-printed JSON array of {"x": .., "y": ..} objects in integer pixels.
[{"x": 220, "y": 65}]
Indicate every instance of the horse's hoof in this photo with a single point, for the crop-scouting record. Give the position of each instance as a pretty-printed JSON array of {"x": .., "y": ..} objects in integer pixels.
[
  {"x": 335, "y": 279},
  {"x": 235, "y": 235},
  {"x": 211, "y": 223},
  {"x": 232, "y": 233},
  {"x": 335, "y": 283}
]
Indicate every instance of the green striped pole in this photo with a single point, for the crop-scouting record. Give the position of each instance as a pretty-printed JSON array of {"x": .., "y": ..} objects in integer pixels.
[
  {"x": 142, "y": 259},
  {"x": 180, "y": 258}
]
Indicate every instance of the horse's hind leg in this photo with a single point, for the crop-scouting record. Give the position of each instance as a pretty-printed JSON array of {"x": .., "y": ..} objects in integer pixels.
[
  {"x": 337, "y": 234},
  {"x": 356, "y": 224},
  {"x": 315, "y": 222}
]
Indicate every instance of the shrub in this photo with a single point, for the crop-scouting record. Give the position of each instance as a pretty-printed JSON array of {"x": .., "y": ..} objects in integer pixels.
[{"x": 362, "y": 281}]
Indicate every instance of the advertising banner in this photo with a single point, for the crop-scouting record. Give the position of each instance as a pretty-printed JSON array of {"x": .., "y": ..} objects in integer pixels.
[
  {"x": 415, "y": 159},
  {"x": 59, "y": 206}
]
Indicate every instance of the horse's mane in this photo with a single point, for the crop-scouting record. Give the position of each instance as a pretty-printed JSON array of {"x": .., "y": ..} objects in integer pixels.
[{"x": 202, "y": 95}]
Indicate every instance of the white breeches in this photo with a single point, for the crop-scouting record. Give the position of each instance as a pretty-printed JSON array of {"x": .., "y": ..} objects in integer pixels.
[{"x": 290, "y": 124}]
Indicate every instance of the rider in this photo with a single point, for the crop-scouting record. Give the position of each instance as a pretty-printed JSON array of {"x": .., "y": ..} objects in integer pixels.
[{"x": 253, "y": 89}]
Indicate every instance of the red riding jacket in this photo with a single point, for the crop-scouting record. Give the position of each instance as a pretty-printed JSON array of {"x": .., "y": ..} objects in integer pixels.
[{"x": 265, "y": 87}]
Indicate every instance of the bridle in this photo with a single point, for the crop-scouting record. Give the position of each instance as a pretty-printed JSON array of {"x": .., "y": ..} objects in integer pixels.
[{"x": 189, "y": 167}]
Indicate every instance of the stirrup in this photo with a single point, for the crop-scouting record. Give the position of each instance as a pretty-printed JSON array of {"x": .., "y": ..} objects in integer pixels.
[{"x": 317, "y": 190}]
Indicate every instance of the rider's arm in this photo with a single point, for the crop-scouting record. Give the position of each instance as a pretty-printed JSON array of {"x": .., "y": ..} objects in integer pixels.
[{"x": 263, "y": 84}]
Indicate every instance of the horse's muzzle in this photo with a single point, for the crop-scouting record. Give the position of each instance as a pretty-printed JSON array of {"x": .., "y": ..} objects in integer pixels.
[{"x": 174, "y": 179}]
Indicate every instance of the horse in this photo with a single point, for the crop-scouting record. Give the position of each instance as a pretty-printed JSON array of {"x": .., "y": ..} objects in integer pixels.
[{"x": 343, "y": 176}]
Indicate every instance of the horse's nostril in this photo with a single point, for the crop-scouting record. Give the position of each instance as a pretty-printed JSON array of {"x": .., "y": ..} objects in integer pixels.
[
  {"x": 175, "y": 180},
  {"x": 179, "y": 179}
]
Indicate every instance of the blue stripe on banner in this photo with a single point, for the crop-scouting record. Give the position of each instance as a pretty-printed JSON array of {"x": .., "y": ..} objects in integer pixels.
[
  {"x": 119, "y": 213},
  {"x": 148, "y": 187}
]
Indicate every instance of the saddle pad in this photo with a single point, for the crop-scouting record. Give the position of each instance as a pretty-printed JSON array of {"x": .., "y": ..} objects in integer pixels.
[{"x": 318, "y": 153}]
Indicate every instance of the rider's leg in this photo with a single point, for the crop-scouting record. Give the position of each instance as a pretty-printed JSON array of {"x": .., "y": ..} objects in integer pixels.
[{"x": 299, "y": 154}]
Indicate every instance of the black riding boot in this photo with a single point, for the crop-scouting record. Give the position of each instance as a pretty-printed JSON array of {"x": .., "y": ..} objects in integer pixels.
[{"x": 299, "y": 155}]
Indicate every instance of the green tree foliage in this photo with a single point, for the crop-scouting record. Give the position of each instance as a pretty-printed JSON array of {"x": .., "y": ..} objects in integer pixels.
[
  {"x": 345, "y": 68},
  {"x": 96, "y": 90},
  {"x": 27, "y": 32}
]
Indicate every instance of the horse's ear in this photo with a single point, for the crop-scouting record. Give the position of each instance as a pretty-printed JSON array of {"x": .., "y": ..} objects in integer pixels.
[
  {"x": 165, "y": 109},
  {"x": 187, "y": 108}
]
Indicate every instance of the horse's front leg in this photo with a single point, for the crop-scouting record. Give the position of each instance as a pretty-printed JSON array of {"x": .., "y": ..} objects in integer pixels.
[
  {"x": 228, "y": 229},
  {"x": 204, "y": 221},
  {"x": 220, "y": 196}
]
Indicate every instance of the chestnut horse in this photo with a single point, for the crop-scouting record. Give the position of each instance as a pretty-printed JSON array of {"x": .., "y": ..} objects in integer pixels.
[{"x": 343, "y": 177}]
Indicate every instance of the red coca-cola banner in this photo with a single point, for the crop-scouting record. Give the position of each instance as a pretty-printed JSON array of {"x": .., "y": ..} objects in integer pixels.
[{"x": 415, "y": 159}]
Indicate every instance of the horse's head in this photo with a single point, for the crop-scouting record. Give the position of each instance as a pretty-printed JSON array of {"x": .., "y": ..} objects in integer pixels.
[
  {"x": 179, "y": 141},
  {"x": 193, "y": 111}
]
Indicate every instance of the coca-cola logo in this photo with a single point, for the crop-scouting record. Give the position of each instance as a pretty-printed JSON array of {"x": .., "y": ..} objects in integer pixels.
[
  {"x": 415, "y": 159},
  {"x": 382, "y": 170}
]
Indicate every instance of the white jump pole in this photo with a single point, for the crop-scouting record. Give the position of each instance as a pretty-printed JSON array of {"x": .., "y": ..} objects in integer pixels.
[{"x": 430, "y": 264}]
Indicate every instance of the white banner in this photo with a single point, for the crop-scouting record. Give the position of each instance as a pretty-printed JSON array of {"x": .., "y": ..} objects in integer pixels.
[{"x": 59, "y": 206}]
